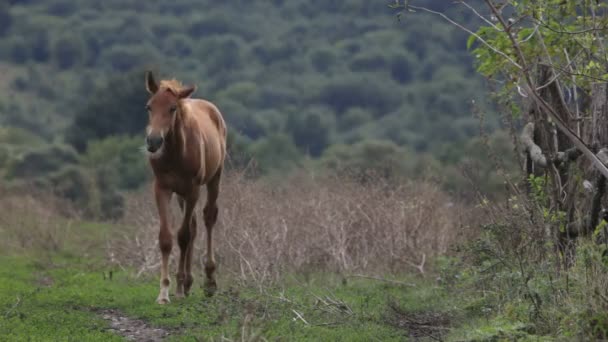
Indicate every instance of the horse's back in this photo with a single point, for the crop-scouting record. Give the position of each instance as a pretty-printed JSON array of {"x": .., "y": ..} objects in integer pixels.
[{"x": 208, "y": 111}]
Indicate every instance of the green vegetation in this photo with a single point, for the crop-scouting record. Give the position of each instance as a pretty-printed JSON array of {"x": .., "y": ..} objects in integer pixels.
[
  {"x": 50, "y": 293},
  {"x": 297, "y": 81},
  {"x": 329, "y": 86},
  {"x": 51, "y": 302}
]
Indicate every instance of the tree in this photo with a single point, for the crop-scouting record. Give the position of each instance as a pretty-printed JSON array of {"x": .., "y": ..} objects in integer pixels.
[
  {"x": 116, "y": 108},
  {"x": 310, "y": 130},
  {"x": 68, "y": 51},
  {"x": 549, "y": 61},
  {"x": 5, "y": 18},
  {"x": 276, "y": 152}
]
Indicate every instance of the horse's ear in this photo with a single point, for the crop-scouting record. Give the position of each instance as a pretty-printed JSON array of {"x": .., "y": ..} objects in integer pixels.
[
  {"x": 151, "y": 85},
  {"x": 186, "y": 92}
]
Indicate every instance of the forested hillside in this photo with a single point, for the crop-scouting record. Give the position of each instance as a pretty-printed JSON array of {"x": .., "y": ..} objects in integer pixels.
[{"x": 338, "y": 84}]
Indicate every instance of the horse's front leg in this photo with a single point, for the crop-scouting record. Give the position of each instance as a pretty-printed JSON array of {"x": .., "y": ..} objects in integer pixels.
[
  {"x": 163, "y": 198},
  {"x": 185, "y": 238}
]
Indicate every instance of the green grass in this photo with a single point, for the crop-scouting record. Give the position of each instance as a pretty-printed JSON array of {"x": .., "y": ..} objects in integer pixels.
[
  {"x": 56, "y": 295},
  {"x": 56, "y": 299}
]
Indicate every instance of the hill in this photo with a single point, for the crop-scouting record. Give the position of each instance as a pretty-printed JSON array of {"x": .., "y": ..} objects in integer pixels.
[{"x": 298, "y": 81}]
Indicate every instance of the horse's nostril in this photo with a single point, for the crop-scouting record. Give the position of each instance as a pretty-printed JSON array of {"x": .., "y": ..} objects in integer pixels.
[{"x": 154, "y": 142}]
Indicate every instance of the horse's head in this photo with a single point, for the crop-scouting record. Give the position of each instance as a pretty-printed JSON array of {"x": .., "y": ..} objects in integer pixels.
[{"x": 162, "y": 107}]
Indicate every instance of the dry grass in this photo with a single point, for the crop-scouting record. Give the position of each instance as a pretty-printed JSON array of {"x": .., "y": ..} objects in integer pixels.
[
  {"x": 32, "y": 221},
  {"x": 307, "y": 225}
]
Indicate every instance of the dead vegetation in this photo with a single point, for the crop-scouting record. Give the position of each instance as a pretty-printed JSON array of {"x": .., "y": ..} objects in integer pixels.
[
  {"x": 425, "y": 324},
  {"x": 32, "y": 221},
  {"x": 307, "y": 225}
]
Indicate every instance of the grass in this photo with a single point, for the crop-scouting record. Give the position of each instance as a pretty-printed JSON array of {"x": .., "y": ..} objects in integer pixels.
[
  {"x": 55, "y": 282},
  {"x": 57, "y": 300}
]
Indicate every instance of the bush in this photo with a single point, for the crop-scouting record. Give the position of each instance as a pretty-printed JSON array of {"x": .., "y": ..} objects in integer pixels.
[
  {"x": 18, "y": 50},
  {"x": 323, "y": 59},
  {"x": 276, "y": 152},
  {"x": 217, "y": 24},
  {"x": 62, "y": 8},
  {"x": 119, "y": 161},
  {"x": 354, "y": 117},
  {"x": 368, "y": 62},
  {"x": 179, "y": 44},
  {"x": 126, "y": 58},
  {"x": 273, "y": 52},
  {"x": 359, "y": 91},
  {"x": 241, "y": 119},
  {"x": 87, "y": 191},
  {"x": 15, "y": 136},
  {"x": 221, "y": 53},
  {"x": 116, "y": 108},
  {"x": 401, "y": 68},
  {"x": 41, "y": 162},
  {"x": 5, "y": 18},
  {"x": 309, "y": 225},
  {"x": 75, "y": 184},
  {"x": 39, "y": 46},
  {"x": 310, "y": 130},
  {"x": 68, "y": 51},
  {"x": 382, "y": 158}
]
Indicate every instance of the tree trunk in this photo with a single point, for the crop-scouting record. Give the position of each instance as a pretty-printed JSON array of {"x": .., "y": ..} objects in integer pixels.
[
  {"x": 595, "y": 133},
  {"x": 575, "y": 189}
]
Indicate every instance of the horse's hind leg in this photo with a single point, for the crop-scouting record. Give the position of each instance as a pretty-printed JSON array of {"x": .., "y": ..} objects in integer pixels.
[
  {"x": 210, "y": 216},
  {"x": 185, "y": 239}
]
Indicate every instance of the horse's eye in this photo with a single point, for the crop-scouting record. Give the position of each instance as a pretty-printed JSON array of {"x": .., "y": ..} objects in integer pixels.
[{"x": 173, "y": 109}]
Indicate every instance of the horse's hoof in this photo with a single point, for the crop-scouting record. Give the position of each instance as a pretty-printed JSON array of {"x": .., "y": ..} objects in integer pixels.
[
  {"x": 163, "y": 301},
  {"x": 210, "y": 287},
  {"x": 179, "y": 295}
]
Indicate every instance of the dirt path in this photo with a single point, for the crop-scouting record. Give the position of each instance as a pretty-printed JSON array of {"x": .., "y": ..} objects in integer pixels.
[{"x": 132, "y": 329}]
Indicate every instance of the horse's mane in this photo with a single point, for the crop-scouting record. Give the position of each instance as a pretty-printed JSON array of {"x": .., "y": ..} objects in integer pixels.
[{"x": 173, "y": 85}]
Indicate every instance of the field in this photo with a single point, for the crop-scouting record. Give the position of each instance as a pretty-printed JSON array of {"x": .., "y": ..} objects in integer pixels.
[
  {"x": 306, "y": 258},
  {"x": 73, "y": 299},
  {"x": 294, "y": 265}
]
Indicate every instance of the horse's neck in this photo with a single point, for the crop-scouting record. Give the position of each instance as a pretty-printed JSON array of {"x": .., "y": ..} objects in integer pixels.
[{"x": 180, "y": 136}]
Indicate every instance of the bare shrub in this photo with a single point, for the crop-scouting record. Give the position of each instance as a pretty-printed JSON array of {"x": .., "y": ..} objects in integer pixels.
[
  {"x": 304, "y": 225},
  {"x": 32, "y": 221}
]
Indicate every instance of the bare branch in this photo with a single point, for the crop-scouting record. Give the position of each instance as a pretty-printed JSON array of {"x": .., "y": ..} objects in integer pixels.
[
  {"x": 576, "y": 140},
  {"x": 535, "y": 152},
  {"x": 567, "y": 72},
  {"x": 483, "y": 41},
  {"x": 561, "y": 70},
  {"x": 462, "y": 2},
  {"x": 593, "y": 29},
  {"x": 299, "y": 315},
  {"x": 578, "y": 113}
]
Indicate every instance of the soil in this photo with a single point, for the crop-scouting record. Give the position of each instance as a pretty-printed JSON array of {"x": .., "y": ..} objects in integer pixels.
[
  {"x": 132, "y": 329},
  {"x": 418, "y": 325}
]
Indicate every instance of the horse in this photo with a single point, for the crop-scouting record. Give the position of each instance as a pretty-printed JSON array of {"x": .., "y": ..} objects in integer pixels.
[{"x": 186, "y": 148}]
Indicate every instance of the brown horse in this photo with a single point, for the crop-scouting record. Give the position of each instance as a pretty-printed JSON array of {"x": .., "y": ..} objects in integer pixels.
[{"x": 186, "y": 144}]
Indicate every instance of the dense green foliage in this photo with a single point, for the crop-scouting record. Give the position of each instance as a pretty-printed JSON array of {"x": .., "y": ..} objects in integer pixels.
[{"x": 292, "y": 78}]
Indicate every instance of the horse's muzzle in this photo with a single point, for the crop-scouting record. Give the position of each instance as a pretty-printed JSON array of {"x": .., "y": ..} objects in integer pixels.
[{"x": 154, "y": 142}]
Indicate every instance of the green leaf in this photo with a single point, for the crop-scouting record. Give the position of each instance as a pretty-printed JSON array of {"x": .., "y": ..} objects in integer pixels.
[{"x": 470, "y": 41}]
